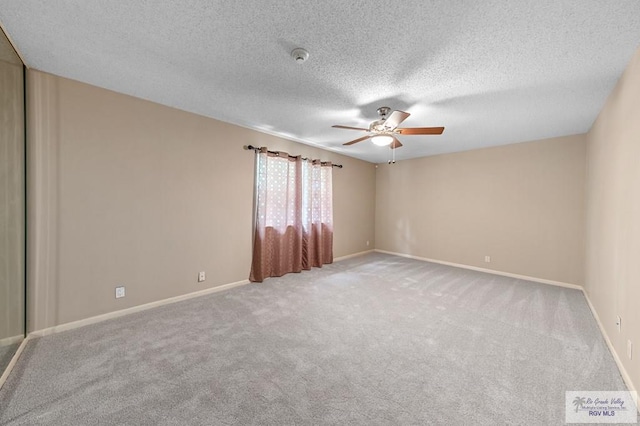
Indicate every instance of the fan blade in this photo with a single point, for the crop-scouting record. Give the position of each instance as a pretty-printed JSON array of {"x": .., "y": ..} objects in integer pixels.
[
  {"x": 357, "y": 140},
  {"x": 395, "y": 144},
  {"x": 348, "y": 127},
  {"x": 421, "y": 131},
  {"x": 395, "y": 119}
]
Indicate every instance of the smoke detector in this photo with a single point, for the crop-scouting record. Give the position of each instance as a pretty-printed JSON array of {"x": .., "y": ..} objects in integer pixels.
[{"x": 299, "y": 55}]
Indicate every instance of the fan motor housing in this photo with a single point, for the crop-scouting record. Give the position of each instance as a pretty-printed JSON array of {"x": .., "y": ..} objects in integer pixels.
[{"x": 377, "y": 126}]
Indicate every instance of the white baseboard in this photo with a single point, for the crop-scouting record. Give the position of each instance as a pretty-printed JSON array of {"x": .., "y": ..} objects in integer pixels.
[
  {"x": 11, "y": 340},
  {"x": 489, "y": 271},
  {"x": 349, "y": 256},
  {"x": 13, "y": 361},
  {"x": 139, "y": 308},
  {"x": 623, "y": 371}
]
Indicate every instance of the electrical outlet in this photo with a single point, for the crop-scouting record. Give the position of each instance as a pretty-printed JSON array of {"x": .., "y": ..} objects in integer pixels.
[
  {"x": 367, "y": 243},
  {"x": 119, "y": 292},
  {"x": 629, "y": 349},
  {"x": 619, "y": 323},
  {"x": 487, "y": 259},
  {"x": 201, "y": 277}
]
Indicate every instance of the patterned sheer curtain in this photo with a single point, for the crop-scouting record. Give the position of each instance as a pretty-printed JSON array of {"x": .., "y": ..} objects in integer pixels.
[{"x": 294, "y": 215}]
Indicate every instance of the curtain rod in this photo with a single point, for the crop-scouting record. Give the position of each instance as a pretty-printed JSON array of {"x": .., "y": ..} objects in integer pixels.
[{"x": 256, "y": 149}]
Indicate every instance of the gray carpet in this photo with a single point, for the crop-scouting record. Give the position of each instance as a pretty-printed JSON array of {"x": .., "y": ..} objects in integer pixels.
[
  {"x": 373, "y": 340},
  {"x": 6, "y": 354}
]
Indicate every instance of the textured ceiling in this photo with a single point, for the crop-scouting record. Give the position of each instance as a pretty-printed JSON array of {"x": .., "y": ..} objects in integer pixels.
[{"x": 491, "y": 72}]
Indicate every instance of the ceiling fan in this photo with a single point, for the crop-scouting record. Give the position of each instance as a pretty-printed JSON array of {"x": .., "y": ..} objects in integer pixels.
[{"x": 383, "y": 131}]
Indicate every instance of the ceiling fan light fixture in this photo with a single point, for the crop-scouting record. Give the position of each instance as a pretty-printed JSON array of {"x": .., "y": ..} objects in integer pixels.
[
  {"x": 382, "y": 140},
  {"x": 383, "y": 132}
]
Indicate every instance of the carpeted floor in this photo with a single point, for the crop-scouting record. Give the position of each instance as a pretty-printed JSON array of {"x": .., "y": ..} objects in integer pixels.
[
  {"x": 373, "y": 340},
  {"x": 6, "y": 354}
]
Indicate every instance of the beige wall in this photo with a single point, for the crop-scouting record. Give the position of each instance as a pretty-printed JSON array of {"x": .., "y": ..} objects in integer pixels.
[
  {"x": 613, "y": 216},
  {"x": 521, "y": 204},
  {"x": 128, "y": 192}
]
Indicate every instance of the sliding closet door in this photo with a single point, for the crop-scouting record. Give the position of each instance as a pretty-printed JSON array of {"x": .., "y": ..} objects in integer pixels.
[{"x": 12, "y": 203}]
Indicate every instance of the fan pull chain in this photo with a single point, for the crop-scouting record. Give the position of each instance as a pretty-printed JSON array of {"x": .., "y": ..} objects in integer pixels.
[{"x": 393, "y": 156}]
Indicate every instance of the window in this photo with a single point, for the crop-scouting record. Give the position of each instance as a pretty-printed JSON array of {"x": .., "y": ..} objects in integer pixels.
[{"x": 294, "y": 215}]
